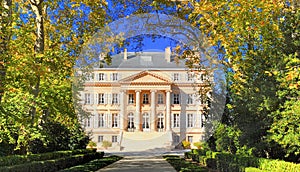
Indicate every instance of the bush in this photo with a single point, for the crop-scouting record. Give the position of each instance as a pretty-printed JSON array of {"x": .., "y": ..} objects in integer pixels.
[
  {"x": 186, "y": 144},
  {"x": 199, "y": 145},
  {"x": 21, "y": 159},
  {"x": 94, "y": 165},
  {"x": 106, "y": 144},
  {"x": 53, "y": 164},
  {"x": 92, "y": 144},
  {"x": 253, "y": 169}
]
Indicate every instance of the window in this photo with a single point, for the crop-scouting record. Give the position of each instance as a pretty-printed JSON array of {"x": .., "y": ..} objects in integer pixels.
[
  {"x": 176, "y": 99},
  {"x": 130, "y": 121},
  {"x": 115, "y": 120},
  {"x": 190, "y": 77},
  {"x": 87, "y": 98},
  {"x": 190, "y": 139},
  {"x": 160, "y": 99},
  {"x": 100, "y": 98},
  {"x": 88, "y": 122},
  {"x": 130, "y": 99},
  {"x": 101, "y": 120},
  {"x": 176, "y": 77},
  {"x": 114, "y": 76},
  {"x": 100, "y": 139},
  {"x": 190, "y": 99},
  {"x": 176, "y": 139},
  {"x": 175, "y": 120},
  {"x": 190, "y": 120},
  {"x": 101, "y": 77},
  {"x": 160, "y": 121},
  {"x": 145, "y": 99},
  {"x": 115, "y": 99},
  {"x": 114, "y": 139}
]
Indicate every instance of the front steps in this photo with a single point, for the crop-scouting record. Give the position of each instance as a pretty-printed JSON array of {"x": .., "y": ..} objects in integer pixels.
[{"x": 146, "y": 141}]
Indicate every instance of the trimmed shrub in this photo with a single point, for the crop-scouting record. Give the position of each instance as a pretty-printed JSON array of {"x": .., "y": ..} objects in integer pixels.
[
  {"x": 253, "y": 169},
  {"x": 106, "y": 144},
  {"x": 53, "y": 164},
  {"x": 21, "y": 159},
  {"x": 186, "y": 144}
]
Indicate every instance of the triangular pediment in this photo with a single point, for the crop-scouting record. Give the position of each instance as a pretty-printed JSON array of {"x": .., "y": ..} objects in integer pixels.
[{"x": 145, "y": 77}]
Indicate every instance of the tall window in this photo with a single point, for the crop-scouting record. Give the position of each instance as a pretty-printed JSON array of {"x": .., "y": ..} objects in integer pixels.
[
  {"x": 114, "y": 76},
  {"x": 100, "y": 139},
  {"x": 190, "y": 99},
  {"x": 176, "y": 139},
  {"x": 145, "y": 98},
  {"x": 114, "y": 139},
  {"x": 88, "y": 122},
  {"x": 115, "y": 120},
  {"x": 87, "y": 98},
  {"x": 176, "y": 120},
  {"x": 130, "y": 99},
  {"x": 130, "y": 121},
  {"x": 190, "y": 77},
  {"x": 101, "y": 120},
  {"x": 176, "y": 77},
  {"x": 190, "y": 139},
  {"x": 114, "y": 99},
  {"x": 100, "y": 98},
  {"x": 160, "y": 99},
  {"x": 101, "y": 77},
  {"x": 190, "y": 120},
  {"x": 176, "y": 99},
  {"x": 160, "y": 121}
]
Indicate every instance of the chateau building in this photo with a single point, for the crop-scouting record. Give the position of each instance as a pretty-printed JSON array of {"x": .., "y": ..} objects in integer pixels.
[{"x": 144, "y": 101}]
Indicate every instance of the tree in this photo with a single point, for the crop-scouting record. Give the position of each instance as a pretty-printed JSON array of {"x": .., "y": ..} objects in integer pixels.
[{"x": 37, "y": 86}]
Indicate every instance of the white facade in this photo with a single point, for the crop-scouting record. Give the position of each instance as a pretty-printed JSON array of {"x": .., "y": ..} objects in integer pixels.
[{"x": 154, "y": 98}]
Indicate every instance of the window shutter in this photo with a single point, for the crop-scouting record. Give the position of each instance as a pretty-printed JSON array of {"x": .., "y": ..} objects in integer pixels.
[
  {"x": 172, "y": 98},
  {"x": 186, "y": 76},
  {"x": 82, "y": 98},
  {"x": 118, "y": 97},
  {"x": 96, "y": 98},
  {"x": 109, "y": 123},
  {"x": 111, "y": 76},
  {"x": 96, "y": 77},
  {"x": 105, "y": 120},
  {"x": 92, "y": 98},
  {"x": 172, "y": 120},
  {"x": 109, "y": 99},
  {"x": 96, "y": 120},
  {"x": 105, "y": 77},
  {"x": 105, "y": 98}
]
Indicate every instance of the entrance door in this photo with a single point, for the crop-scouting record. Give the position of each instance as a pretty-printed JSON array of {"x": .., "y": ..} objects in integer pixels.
[
  {"x": 130, "y": 122},
  {"x": 160, "y": 122},
  {"x": 146, "y": 122}
]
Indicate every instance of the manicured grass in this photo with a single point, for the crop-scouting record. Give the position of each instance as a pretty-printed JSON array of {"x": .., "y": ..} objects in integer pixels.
[
  {"x": 182, "y": 165},
  {"x": 94, "y": 165}
]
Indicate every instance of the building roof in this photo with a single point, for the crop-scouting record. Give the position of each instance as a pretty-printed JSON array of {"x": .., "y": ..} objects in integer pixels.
[{"x": 144, "y": 60}]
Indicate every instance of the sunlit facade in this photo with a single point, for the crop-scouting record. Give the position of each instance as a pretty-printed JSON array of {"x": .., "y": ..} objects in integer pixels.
[{"x": 145, "y": 95}]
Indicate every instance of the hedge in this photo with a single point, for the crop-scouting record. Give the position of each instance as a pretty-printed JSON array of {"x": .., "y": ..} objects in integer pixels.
[
  {"x": 53, "y": 164},
  {"x": 21, "y": 159},
  {"x": 93, "y": 165},
  {"x": 227, "y": 162}
]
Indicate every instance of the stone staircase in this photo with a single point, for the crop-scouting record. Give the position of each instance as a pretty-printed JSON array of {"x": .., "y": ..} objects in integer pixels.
[{"x": 146, "y": 141}]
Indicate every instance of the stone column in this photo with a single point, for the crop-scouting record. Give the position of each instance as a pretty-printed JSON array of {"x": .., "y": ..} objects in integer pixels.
[
  {"x": 152, "y": 117},
  {"x": 122, "y": 109},
  {"x": 138, "y": 110},
  {"x": 168, "y": 110}
]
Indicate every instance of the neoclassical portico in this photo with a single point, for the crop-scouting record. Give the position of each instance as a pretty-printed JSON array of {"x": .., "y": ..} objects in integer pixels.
[{"x": 146, "y": 87}]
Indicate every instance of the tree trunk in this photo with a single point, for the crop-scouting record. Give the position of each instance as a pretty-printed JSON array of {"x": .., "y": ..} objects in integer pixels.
[{"x": 37, "y": 9}]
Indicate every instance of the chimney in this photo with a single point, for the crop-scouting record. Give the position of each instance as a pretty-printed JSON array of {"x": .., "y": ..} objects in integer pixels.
[
  {"x": 125, "y": 53},
  {"x": 168, "y": 54}
]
